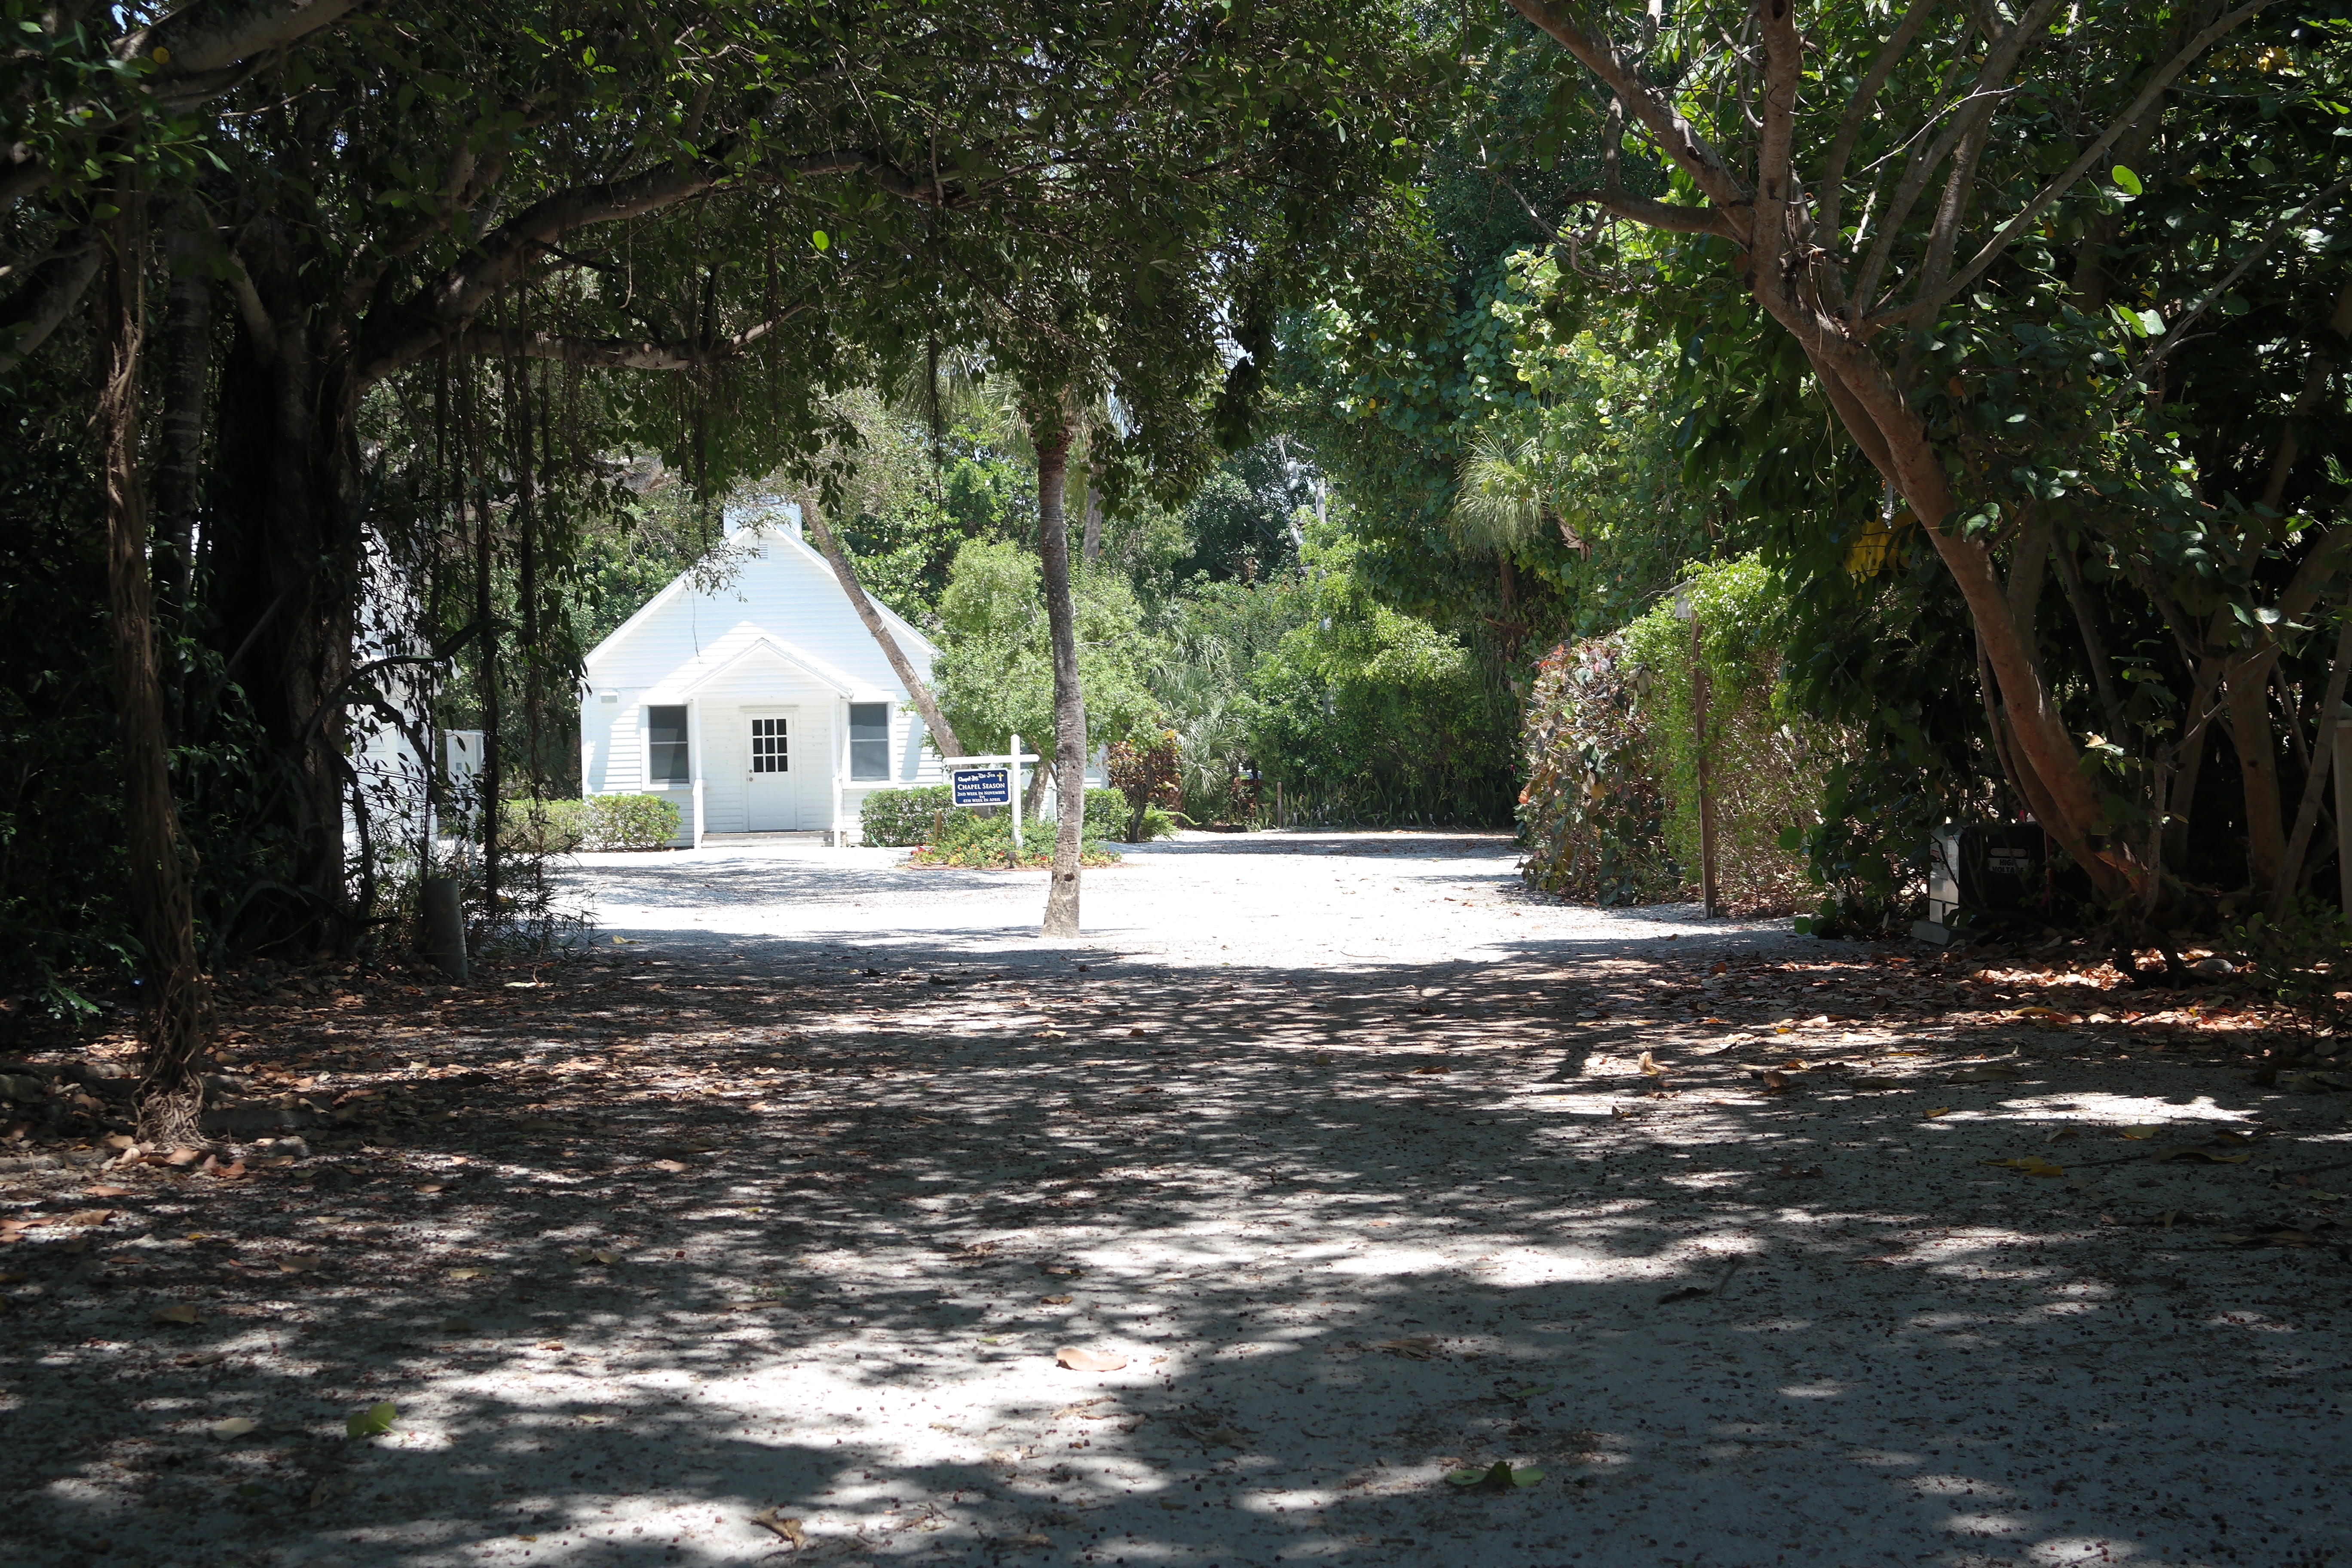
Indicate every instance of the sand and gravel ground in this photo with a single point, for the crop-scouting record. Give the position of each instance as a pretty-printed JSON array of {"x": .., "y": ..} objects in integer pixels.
[{"x": 754, "y": 1235}]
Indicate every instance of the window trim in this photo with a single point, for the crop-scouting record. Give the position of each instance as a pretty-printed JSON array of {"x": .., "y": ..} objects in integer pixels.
[
  {"x": 882, "y": 740},
  {"x": 656, "y": 751}
]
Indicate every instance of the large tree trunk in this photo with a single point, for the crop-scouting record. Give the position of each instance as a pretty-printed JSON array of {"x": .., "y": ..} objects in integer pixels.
[
  {"x": 846, "y": 574},
  {"x": 282, "y": 557},
  {"x": 170, "y": 1093},
  {"x": 1070, "y": 702},
  {"x": 179, "y": 464}
]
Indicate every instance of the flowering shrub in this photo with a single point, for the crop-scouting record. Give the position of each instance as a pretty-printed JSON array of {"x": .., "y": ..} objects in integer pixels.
[{"x": 1592, "y": 814}]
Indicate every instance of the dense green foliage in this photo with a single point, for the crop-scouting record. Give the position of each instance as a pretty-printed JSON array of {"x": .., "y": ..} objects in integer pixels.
[
  {"x": 897, "y": 818},
  {"x": 600, "y": 822},
  {"x": 1401, "y": 362}
]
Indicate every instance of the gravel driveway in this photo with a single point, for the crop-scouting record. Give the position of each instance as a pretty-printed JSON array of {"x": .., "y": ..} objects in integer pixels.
[{"x": 1339, "y": 1164}]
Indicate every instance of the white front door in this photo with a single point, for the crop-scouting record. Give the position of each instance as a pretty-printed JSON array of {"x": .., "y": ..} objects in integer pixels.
[{"x": 771, "y": 806}]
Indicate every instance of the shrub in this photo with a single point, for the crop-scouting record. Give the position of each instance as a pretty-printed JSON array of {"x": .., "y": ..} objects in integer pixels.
[
  {"x": 1106, "y": 813},
  {"x": 542, "y": 827},
  {"x": 896, "y": 817},
  {"x": 2300, "y": 961},
  {"x": 1610, "y": 808},
  {"x": 986, "y": 843},
  {"x": 1592, "y": 814},
  {"x": 1149, "y": 780},
  {"x": 1159, "y": 821},
  {"x": 628, "y": 822}
]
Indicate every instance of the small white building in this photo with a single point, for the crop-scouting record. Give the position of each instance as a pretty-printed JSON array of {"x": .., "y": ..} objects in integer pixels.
[{"x": 759, "y": 703}]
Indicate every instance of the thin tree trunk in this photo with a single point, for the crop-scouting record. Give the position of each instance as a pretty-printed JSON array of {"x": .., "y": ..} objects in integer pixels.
[
  {"x": 2183, "y": 796},
  {"x": 2306, "y": 814},
  {"x": 170, "y": 1093},
  {"x": 485, "y": 615},
  {"x": 2095, "y": 647},
  {"x": 2247, "y": 691},
  {"x": 1069, "y": 701},
  {"x": 516, "y": 381},
  {"x": 943, "y": 735}
]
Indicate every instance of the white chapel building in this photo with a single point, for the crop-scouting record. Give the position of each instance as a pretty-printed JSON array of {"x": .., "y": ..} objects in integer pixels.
[{"x": 758, "y": 705}]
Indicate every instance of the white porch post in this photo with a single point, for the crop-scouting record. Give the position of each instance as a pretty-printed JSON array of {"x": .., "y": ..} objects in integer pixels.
[
  {"x": 840, "y": 765},
  {"x": 694, "y": 749}
]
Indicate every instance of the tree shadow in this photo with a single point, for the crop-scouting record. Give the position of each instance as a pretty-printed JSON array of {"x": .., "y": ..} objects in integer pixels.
[{"x": 781, "y": 1237}]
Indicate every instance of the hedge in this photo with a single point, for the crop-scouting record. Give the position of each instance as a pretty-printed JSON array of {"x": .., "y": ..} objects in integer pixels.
[
  {"x": 600, "y": 822},
  {"x": 899, "y": 817}
]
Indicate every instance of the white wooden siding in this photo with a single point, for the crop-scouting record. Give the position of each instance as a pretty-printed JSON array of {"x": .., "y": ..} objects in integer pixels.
[{"x": 780, "y": 635}]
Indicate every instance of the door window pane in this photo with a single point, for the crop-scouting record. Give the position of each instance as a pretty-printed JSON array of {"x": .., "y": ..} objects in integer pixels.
[
  {"x": 666, "y": 758},
  {"x": 770, "y": 752},
  {"x": 869, "y": 740}
]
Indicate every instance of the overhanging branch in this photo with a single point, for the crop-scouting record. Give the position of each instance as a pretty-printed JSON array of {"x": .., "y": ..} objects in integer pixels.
[{"x": 613, "y": 353}]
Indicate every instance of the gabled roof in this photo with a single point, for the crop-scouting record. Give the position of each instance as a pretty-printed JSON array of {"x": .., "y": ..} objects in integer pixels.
[
  {"x": 785, "y": 549},
  {"x": 747, "y": 641}
]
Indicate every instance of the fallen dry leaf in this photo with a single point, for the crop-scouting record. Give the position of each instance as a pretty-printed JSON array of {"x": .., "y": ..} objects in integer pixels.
[
  {"x": 1057, "y": 1301},
  {"x": 790, "y": 1528},
  {"x": 672, "y": 1167},
  {"x": 2031, "y": 1164},
  {"x": 234, "y": 1426},
  {"x": 1072, "y": 1359},
  {"x": 301, "y": 1263},
  {"x": 181, "y": 1313},
  {"x": 1416, "y": 1347},
  {"x": 89, "y": 1216},
  {"x": 1221, "y": 1436},
  {"x": 106, "y": 1192}
]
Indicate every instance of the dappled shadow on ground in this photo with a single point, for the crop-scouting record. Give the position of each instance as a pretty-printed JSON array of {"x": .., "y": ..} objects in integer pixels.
[
  {"x": 717, "y": 880},
  {"x": 642, "y": 1248}
]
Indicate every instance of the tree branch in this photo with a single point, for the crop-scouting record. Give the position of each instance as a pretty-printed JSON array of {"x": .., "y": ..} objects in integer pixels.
[
  {"x": 1676, "y": 135},
  {"x": 2173, "y": 336},
  {"x": 419, "y": 326},
  {"x": 612, "y": 354},
  {"x": 200, "y": 50},
  {"x": 1657, "y": 214},
  {"x": 1784, "y": 61},
  {"x": 1832, "y": 184},
  {"x": 1928, "y": 303},
  {"x": 1967, "y": 132},
  {"x": 48, "y": 296},
  {"x": 212, "y": 34}
]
